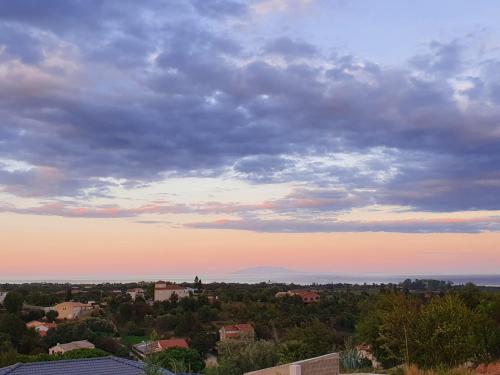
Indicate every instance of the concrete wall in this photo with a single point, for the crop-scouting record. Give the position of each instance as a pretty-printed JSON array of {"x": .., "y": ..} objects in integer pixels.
[
  {"x": 166, "y": 294},
  {"x": 324, "y": 365},
  {"x": 278, "y": 370}
]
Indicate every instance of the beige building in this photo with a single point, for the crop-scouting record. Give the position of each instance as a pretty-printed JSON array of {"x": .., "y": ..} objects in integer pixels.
[
  {"x": 136, "y": 292},
  {"x": 324, "y": 365},
  {"x": 64, "y": 348},
  {"x": 164, "y": 291},
  {"x": 72, "y": 310}
]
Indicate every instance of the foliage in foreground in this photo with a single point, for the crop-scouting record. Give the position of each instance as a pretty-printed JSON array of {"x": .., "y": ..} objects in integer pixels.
[
  {"x": 439, "y": 332},
  {"x": 179, "y": 360}
]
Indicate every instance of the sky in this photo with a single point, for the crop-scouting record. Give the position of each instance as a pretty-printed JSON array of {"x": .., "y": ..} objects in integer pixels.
[{"x": 195, "y": 137}]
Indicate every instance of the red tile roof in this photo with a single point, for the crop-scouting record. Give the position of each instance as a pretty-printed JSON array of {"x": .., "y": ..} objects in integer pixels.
[
  {"x": 168, "y": 287},
  {"x": 239, "y": 328},
  {"x": 173, "y": 343}
]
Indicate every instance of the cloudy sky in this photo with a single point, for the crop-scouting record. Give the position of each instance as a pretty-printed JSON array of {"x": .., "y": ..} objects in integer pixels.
[{"x": 194, "y": 136}]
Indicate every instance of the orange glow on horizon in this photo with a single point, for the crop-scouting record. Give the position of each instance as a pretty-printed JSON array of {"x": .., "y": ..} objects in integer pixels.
[{"x": 35, "y": 245}]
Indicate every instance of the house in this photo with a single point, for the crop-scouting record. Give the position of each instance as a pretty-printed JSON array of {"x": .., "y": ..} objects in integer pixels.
[
  {"x": 327, "y": 364},
  {"x": 237, "y": 332},
  {"x": 40, "y": 327},
  {"x": 64, "y": 348},
  {"x": 307, "y": 296},
  {"x": 72, "y": 310},
  {"x": 145, "y": 348},
  {"x": 86, "y": 366},
  {"x": 164, "y": 291},
  {"x": 136, "y": 292}
]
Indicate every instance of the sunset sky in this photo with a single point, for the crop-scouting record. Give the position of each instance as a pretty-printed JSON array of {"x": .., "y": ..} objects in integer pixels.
[{"x": 201, "y": 137}]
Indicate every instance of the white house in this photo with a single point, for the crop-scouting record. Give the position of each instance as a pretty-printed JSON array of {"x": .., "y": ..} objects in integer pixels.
[{"x": 164, "y": 291}]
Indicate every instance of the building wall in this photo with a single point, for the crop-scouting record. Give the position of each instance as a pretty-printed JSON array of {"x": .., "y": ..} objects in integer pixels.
[
  {"x": 324, "y": 365},
  {"x": 165, "y": 294},
  {"x": 70, "y": 310},
  {"x": 56, "y": 350},
  {"x": 277, "y": 370}
]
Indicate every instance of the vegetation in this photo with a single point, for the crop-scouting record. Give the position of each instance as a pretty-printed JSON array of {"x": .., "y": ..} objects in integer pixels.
[
  {"x": 432, "y": 332},
  {"x": 427, "y": 323},
  {"x": 180, "y": 360}
]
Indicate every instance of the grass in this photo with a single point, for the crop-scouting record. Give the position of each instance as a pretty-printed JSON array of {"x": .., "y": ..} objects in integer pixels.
[{"x": 132, "y": 340}]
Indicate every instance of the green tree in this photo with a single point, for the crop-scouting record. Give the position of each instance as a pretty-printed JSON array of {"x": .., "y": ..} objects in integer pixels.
[
  {"x": 397, "y": 319},
  {"x": 185, "y": 324},
  {"x": 13, "y": 302},
  {"x": 486, "y": 325},
  {"x": 444, "y": 333},
  {"x": 69, "y": 295},
  {"x": 152, "y": 366},
  {"x": 51, "y": 315},
  {"x": 13, "y": 326},
  {"x": 125, "y": 312},
  {"x": 180, "y": 360},
  {"x": 317, "y": 338},
  {"x": 166, "y": 322},
  {"x": 237, "y": 357},
  {"x": 204, "y": 342},
  {"x": 293, "y": 350}
]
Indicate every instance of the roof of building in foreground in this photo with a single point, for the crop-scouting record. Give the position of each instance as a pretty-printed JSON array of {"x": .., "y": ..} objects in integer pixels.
[{"x": 87, "y": 366}]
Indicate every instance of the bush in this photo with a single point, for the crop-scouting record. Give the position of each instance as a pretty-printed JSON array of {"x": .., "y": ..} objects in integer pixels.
[{"x": 180, "y": 360}]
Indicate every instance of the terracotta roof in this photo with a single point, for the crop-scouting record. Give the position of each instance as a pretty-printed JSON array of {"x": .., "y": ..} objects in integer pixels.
[
  {"x": 173, "y": 343},
  {"x": 239, "y": 328},
  {"x": 308, "y": 294},
  {"x": 39, "y": 325},
  {"x": 146, "y": 348}
]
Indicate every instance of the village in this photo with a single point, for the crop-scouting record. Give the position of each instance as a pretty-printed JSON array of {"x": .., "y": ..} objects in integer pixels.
[
  {"x": 133, "y": 336},
  {"x": 212, "y": 328}
]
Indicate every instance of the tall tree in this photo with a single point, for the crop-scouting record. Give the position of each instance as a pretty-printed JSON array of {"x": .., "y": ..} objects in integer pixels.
[{"x": 13, "y": 302}]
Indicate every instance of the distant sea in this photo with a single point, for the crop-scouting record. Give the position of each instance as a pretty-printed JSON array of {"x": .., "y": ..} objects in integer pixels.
[{"x": 287, "y": 278}]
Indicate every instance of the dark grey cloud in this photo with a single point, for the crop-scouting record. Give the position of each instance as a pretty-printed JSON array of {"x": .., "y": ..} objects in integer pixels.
[
  {"x": 443, "y": 58},
  {"x": 479, "y": 225},
  {"x": 290, "y": 48},
  {"x": 220, "y": 8},
  {"x": 18, "y": 43},
  {"x": 144, "y": 90}
]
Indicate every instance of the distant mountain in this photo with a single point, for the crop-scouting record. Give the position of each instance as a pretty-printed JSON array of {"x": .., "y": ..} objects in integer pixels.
[{"x": 265, "y": 271}]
